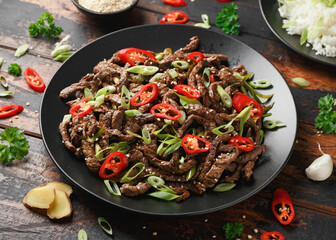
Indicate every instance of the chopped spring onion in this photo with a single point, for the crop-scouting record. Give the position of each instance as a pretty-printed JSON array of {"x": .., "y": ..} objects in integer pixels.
[
  {"x": 190, "y": 173},
  {"x": 156, "y": 77},
  {"x": 261, "y": 83},
  {"x": 82, "y": 235},
  {"x": 255, "y": 94},
  {"x": 183, "y": 117},
  {"x": 67, "y": 117},
  {"x": 261, "y": 132},
  {"x": 185, "y": 101},
  {"x": 217, "y": 131},
  {"x": 21, "y": 50},
  {"x": 145, "y": 135},
  {"x": 181, "y": 64},
  {"x": 127, "y": 94},
  {"x": 159, "y": 184},
  {"x": 139, "y": 166},
  {"x": 5, "y": 93},
  {"x": 63, "y": 56},
  {"x": 98, "y": 149},
  {"x": 172, "y": 73},
  {"x": 105, "y": 90},
  {"x": 244, "y": 116},
  {"x": 114, "y": 189},
  {"x": 97, "y": 135},
  {"x": 225, "y": 97},
  {"x": 301, "y": 82},
  {"x": 182, "y": 159},
  {"x": 143, "y": 70},
  {"x": 1, "y": 61},
  {"x": 271, "y": 124},
  {"x": 103, "y": 223},
  {"x": 223, "y": 187},
  {"x": 288, "y": 24},
  {"x": 115, "y": 147},
  {"x": 172, "y": 149},
  {"x": 304, "y": 36},
  {"x": 164, "y": 195},
  {"x": 205, "y": 23},
  {"x": 133, "y": 113},
  {"x": 61, "y": 49},
  {"x": 206, "y": 77},
  {"x": 87, "y": 92},
  {"x": 159, "y": 56}
]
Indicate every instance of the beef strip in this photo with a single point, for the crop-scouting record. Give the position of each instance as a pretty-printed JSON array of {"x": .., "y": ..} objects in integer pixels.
[
  {"x": 85, "y": 82},
  {"x": 134, "y": 190}
]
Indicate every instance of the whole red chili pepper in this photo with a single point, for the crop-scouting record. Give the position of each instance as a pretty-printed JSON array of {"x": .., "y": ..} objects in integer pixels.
[
  {"x": 282, "y": 206},
  {"x": 114, "y": 164},
  {"x": 10, "y": 110},
  {"x": 193, "y": 144},
  {"x": 145, "y": 95},
  {"x": 272, "y": 236}
]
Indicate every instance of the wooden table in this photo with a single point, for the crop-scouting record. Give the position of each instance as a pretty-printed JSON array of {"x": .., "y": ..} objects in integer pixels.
[{"x": 314, "y": 202}]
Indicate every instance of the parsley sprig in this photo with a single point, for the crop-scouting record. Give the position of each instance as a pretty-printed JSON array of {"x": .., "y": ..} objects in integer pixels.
[
  {"x": 14, "y": 69},
  {"x": 227, "y": 19},
  {"x": 326, "y": 120},
  {"x": 45, "y": 26},
  {"x": 233, "y": 230},
  {"x": 17, "y": 146}
]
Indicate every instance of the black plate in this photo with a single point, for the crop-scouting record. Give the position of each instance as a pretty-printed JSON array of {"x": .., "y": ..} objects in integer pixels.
[
  {"x": 158, "y": 37},
  {"x": 269, "y": 10}
]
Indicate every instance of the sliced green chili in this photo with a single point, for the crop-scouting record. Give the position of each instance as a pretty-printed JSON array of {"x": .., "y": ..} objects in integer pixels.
[
  {"x": 156, "y": 77},
  {"x": 102, "y": 221},
  {"x": 3, "y": 81},
  {"x": 225, "y": 97},
  {"x": 163, "y": 195},
  {"x": 271, "y": 124},
  {"x": 304, "y": 36},
  {"x": 172, "y": 73},
  {"x": 133, "y": 113},
  {"x": 301, "y": 82},
  {"x": 66, "y": 117},
  {"x": 143, "y": 70},
  {"x": 223, "y": 187},
  {"x": 114, "y": 189},
  {"x": 261, "y": 83},
  {"x": 190, "y": 173},
  {"x": 82, "y": 235},
  {"x": 5, "y": 93},
  {"x": 181, "y": 64},
  {"x": 139, "y": 166},
  {"x": 206, "y": 77},
  {"x": 21, "y": 50}
]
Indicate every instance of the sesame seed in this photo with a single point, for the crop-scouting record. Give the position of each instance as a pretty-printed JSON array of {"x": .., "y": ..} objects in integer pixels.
[
  {"x": 38, "y": 55},
  {"x": 255, "y": 230},
  {"x": 27, "y": 103},
  {"x": 144, "y": 227},
  {"x": 36, "y": 111},
  {"x": 249, "y": 236},
  {"x": 244, "y": 216},
  {"x": 155, "y": 233},
  {"x": 214, "y": 236},
  {"x": 10, "y": 120},
  {"x": 16, "y": 117}
]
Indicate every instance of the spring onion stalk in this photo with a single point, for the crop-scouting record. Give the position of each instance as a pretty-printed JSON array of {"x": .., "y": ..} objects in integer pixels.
[
  {"x": 183, "y": 117},
  {"x": 66, "y": 38},
  {"x": 5, "y": 93},
  {"x": 66, "y": 117},
  {"x": 261, "y": 83},
  {"x": 261, "y": 132},
  {"x": 1, "y": 61},
  {"x": 105, "y": 90},
  {"x": 268, "y": 107},
  {"x": 245, "y": 115},
  {"x": 63, "y": 56},
  {"x": 96, "y": 136},
  {"x": 138, "y": 166},
  {"x": 185, "y": 101},
  {"x": 133, "y": 113},
  {"x": 255, "y": 94},
  {"x": 114, "y": 189},
  {"x": 143, "y": 70},
  {"x": 163, "y": 195},
  {"x": 159, "y": 56},
  {"x": 266, "y": 115},
  {"x": 172, "y": 149},
  {"x": 223, "y": 187},
  {"x": 304, "y": 36},
  {"x": 288, "y": 24},
  {"x": 82, "y": 235},
  {"x": 182, "y": 159},
  {"x": 105, "y": 225},
  {"x": 21, "y": 50},
  {"x": 181, "y": 64},
  {"x": 125, "y": 93},
  {"x": 205, "y": 23},
  {"x": 156, "y": 77},
  {"x": 98, "y": 149},
  {"x": 116, "y": 147},
  {"x": 206, "y": 77},
  {"x": 190, "y": 173},
  {"x": 160, "y": 130},
  {"x": 145, "y": 135},
  {"x": 173, "y": 73},
  {"x": 271, "y": 124},
  {"x": 201, "y": 134},
  {"x": 159, "y": 184},
  {"x": 301, "y": 82},
  {"x": 87, "y": 92},
  {"x": 225, "y": 97},
  {"x": 61, "y": 49}
]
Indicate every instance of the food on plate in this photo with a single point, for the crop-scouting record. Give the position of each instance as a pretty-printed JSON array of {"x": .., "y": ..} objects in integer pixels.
[
  {"x": 105, "y": 6},
  {"x": 167, "y": 125},
  {"x": 314, "y": 21},
  {"x": 51, "y": 199}
]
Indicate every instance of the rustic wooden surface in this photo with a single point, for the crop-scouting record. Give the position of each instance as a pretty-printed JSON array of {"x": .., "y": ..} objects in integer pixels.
[{"x": 314, "y": 202}]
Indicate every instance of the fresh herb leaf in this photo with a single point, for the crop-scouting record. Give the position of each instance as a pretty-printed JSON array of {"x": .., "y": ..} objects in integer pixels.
[
  {"x": 14, "y": 69},
  {"x": 45, "y": 26},
  {"x": 227, "y": 19},
  {"x": 233, "y": 230},
  {"x": 326, "y": 120},
  {"x": 17, "y": 146}
]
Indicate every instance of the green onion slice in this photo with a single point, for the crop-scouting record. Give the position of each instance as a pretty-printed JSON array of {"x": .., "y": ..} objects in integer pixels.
[
  {"x": 181, "y": 64},
  {"x": 3, "y": 81},
  {"x": 143, "y": 70},
  {"x": 114, "y": 189},
  {"x": 261, "y": 83},
  {"x": 133, "y": 113},
  {"x": 146, "y": 136},
  {"x": 301, "y": 82},
  {"x": 1, "y": 61},
  {"x": 172, "y": 73},
  {"x": 164, "y": 195},
  {"x": 225, "y": 97},
  {"x": 156, "y": 77},
  {"x": 261, "y": 132},
  {"x": 244, "y": 116},
  {"x": 271, "y": 124},
  {"x": 105, "y": 90},
  {"x": 205, "y": 23},
  {"x": 185, "y": 101},
  {"x": 82, "y": 235},
  {"x": 217, "y": 130},
  {"x": 105, "y": 225},
  {"x": 21, "y": 50},
  {"x": 183, "y": 117},
  {"x": 304, "y": 36},
  {"x": 87, "y": 93},
  {"x": 5, "y": 93},
  {"x": 155, "y": 181},
  {"x": 223, "y": 187},
  {"x": 206, "y": 77},
  {"x": 159, "y": 56},
  {"x": 98, "y": 149},
  {"x": 172, "y": 149},
  {"x": 190, "y": 173},
  {"x": 288, "y": 24},
  {"x": 182, "y": 159},
  {"x": 63, "y": 56},
  {"x": 61, "y": 49},
  {"x": 97, "y": 135},
  {"x": 115, "y": 147},
  {"x": 139, "y": 166},
  {"x": 125, "y": 93},
  {"x": 66, "y": 117}
]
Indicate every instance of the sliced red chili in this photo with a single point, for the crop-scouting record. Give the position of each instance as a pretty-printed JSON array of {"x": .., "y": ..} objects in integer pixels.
[
  {"x": 34, "y": 80},
  {"x": 176, "y": 17},
  {"x": 242, "y": 143},
  {"x": 135, "y": 56},
  {"x": 282, "y": 206},
  {"x": 176, "y": 3},
  {"x": 114, "y": 164},
  {"x": 81, "y": 108},
  {"x": 272, "y": 236},
  {"x": 145, "y": 95},
  {"x": 193, "y": 144},
  {"x": 187, "y": 91},
  {"x": 10, "y": 110},
  {"x": 241, "y": 101},
  {"x": 224, "y": 0},
  {"x": 212, "y": 78},
  {"x": 165, "y": 110},
  {"x": 196, "y": 56}
]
